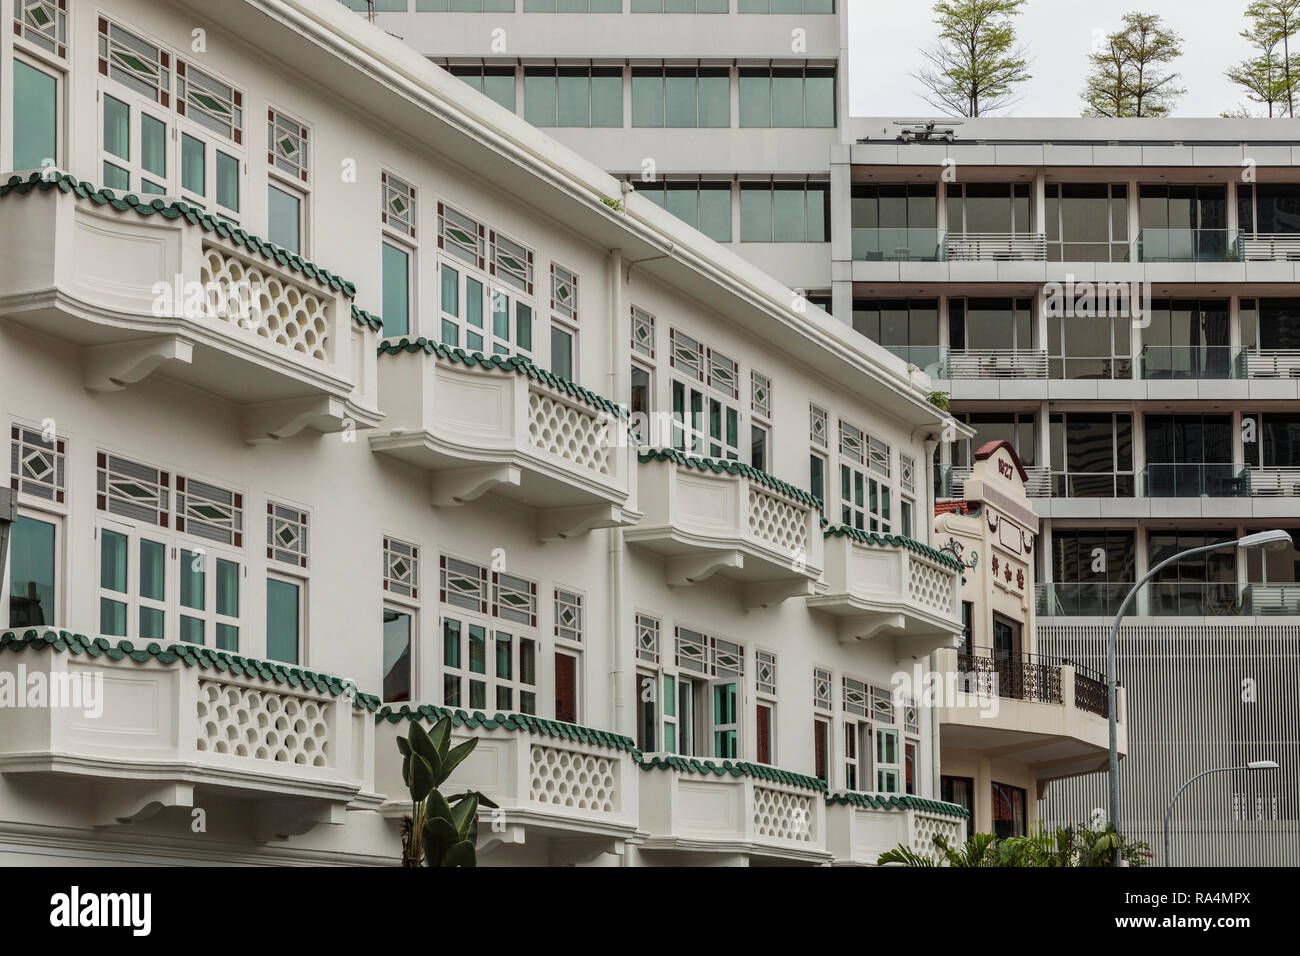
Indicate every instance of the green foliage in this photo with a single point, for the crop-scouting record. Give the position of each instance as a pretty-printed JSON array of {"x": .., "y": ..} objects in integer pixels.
[
  {"x": 614, "y": 204},
  {"x": 1064, "y": 847},
  {"x": 1272, "y": 75},
  {"x": 440, "y": 831},
  {"x": 939, "y": 400},
  {"x": 1126, "y": 77},
  {"x": 975, "y": 65}
]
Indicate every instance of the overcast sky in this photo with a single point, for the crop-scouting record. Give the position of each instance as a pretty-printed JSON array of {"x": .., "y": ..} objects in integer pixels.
[{"x": 885, "y": 38}]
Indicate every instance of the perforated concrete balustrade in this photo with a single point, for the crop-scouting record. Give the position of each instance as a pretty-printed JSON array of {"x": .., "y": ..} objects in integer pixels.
[
  {"x": 578, "y": 435},
  {"x": 286, "y": 313},
  {"x": 264, "y": 725}
]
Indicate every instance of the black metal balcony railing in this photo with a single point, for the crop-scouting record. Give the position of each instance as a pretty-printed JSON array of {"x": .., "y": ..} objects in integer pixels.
[
  {"x": 1090, "y": 691},
  {"x": 1029, "y": 677}
]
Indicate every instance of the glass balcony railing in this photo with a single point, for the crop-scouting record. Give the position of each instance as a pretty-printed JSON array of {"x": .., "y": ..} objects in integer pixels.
[
  {"x": 1192, "y": 362},
  {"x": 1168, "y": 599},
  {"x": 1187, "y": 245},
  {"x": 1182, "y": 480},
  {"x": 898, "y": 245},
  {"x": 930, "y": 359}
]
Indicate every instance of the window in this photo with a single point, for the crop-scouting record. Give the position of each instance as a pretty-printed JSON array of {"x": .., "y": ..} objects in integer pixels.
[
  {"x": 572, "y": 6},
  {"x": 864, "y": 499},
  {"x": 681, "y": 97},
  {"x": 895, "y": 221},
  {"x": 287, "y": 154},
  {"x": 497, "y": 83},
  {"x": 286, "y": 535},
  {"x": 1014, "y": 427},
  {"x": 680, "y": 6},
  {"x": 210, "y": 103},
  {"x": 709, "y": 675},
  {"x": 705, "y": 206},
  {"x": 961, "y": 791},
  {"x": 473, "y": 316},
  {"x": 564, "y": 334},
  {"x": 283, "y": 619},
  {"x": 568, "y": 653},
  {"x": 760, "y": 429},
  {"x": 36, "y": 117},
  {"x": 573, "y": 96},
  {"x": 566, "y": 687},
  {"x": 776, "y": 97},
  {"x": 37, "y": 464},
  {"x": 1190, "y": 456},
  {"x": 908, "y": 328},
  {"x": 134, "y": 62},
  {"x": 647, "y": 638},
  {"x": 510, "y": 262},
  {"x": 968, "y": 626},
  {"x": 705, "y": 422},
  {"x": 647, "y": 711},
  {"x": 642, "y": 404},
  {"x": 1092, "y": 570},
  {"x": 1009, "y": 818},
  {"x": 822, "y": 748},
  {"x": 1092, "y": 454},
  {"x": 397, "y": 667},
  {"x": 1187, "y": 339},
  {"x": 988, "y": 207},
  {"x": 888, "y": 775},
  {"x": 397, "y": 205},
  {"x": 992, "y": 323},
  {"x": 44, "y": 24},
  {"x": 643, "y": 332},
  {"x": 284, "y": 219},
  {"x": 568, "y": 615},
  {"x": 401, "y": 568},
  {"x": 1198, "y": 586},
  {"x": 785, "y": 212},
  {"x": 443, "y": 6},
  {"x": 1268, "y": 208},
  {"x": 787, "y": 6},
  {"x": 287, "y": 145},
  {"x": 462, "y": 237},
  {"x": 32, "y": 566},
  {"x": 1087, "y": 222},
  {"x": 396, "y": 264},
  {"x": 765, "y": 707}
]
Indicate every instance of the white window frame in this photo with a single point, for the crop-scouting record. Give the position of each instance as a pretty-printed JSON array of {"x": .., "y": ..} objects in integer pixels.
[
  {"x": 299, "y": 187},
  {"x": 492, "y": 293},
  {"x": 59, "y": 520},
  {"x": 409, "y": 604},
  {"x": 285, "y": 574},
  {"x": 768, "y": 698},
  {"x": 53, "y": 67}
]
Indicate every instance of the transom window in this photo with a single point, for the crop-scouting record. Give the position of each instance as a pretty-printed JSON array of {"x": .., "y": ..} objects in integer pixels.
[
  {"x": 401, "y": 568},
  {"x": 286, "y": 534},
  {"x": 37, "y": 464},
  {"x": 134, "y": 62},
  {"x": 44, "y": 24},
  {"x": 287, "y": 145},
  {"x": 706, "y": 419},
  {"x": 511, "y": 263},
  {"x": 864, "y": 499}
]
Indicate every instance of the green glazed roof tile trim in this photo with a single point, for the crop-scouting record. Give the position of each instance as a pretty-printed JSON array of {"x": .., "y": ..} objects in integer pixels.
[
  {"x": 736, "y": 768},
  {"x": 894, "y": 801},
  {"x": 362, "y": 317},
  {"x": 875, "y": 538},
  {"x": 508, "y": 363},
  {"x": 191, "y": 655},
  {"x": 523, "y": 723},
  {"x": 176, "y": 210},
  {"x": 720, "y": 465}
]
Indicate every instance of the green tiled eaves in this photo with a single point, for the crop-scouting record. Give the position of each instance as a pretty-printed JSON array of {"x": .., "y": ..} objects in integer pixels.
[
  {"x": 362, "y": 317},
  {"x": 521, "y": 723},
  {"x": 726, "y": 465},
  {"x": 508, "y": 363},
  {"x": 876, "y": 539},
  {"x": 895, "y": 801},
  {"x": 18, "y": 186},
  {"x": 734, "y": 768},
  {"x": 191, "y": 655}
]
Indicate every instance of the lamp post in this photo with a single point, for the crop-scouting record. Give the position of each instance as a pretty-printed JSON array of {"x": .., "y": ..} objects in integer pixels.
[
  {"x": 1253, "y": 765},
  {"x": 1270, "y": 539}
]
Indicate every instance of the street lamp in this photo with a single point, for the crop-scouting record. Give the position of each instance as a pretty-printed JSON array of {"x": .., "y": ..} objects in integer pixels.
[
  {"x": 1273, "y": 540},
  {"x": 1253, "y": 765}
]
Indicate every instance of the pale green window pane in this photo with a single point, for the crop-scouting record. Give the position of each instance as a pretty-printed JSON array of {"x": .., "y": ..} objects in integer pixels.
[
  {"x": 755, "y": 99},
  {"x": 470, "y": 75},
  {"x": 498, "y": 6},
  {"x": 35, "y": 117},
  {"x": 715, "y": 101},
  {"x": 194, "y": 173},
  {"x": 474, "y": 302},
  {"x": 755, "y": 215},
  {"x": 192, "y": 630},
  {"x": 647, "y": 6},
  {"x": 450, "y": 291},
  {"x": 450, "y": 333},
  {"x": 466, "y": 6},
  {"x": 712, "y": 6},
  {"x": 820, "y": 101},
  {"x": 117, "y": 128},
  {"x": 789, "y": 6},
  {"x": 654, "y": 193},
  {"x": 561, "y": 352},
  {"x": 477, "y": 694},
  {"x": 505, "y": 656},
  {"x": 153, "y": 145},
  {"x": 715, "y": 213},
  {"x": 227, "y": 588},
  {"x": 153, "y": 570},
  {"x": 451, "y": 643},
  {"x": 684, "y": 204},
  {"x": 397, "y": 291},
  {"x": 421, "y": 6},
  {"x": 607, "y": 100},
  {"x": 193, "y": 580},
  {"x": 153, "y": 624},
  {"x": 112, "y": 561},
  {"x": 539, "y": 98},
  {"x": 477, "y": 649},
  {"x": 539, "y": 6},
  {"x": 112, "y": 618},
  {"x": 680, "y": 99},
  {"x": 574, "y": 99},
  {"x": 647, "y": 99},
  {"x": 227, "y": 181},
  {"x": 817, "y": 202},
  {"x": 115, "y": 177},
  {"x": 281, "y": 621},
  {"x": 154, "y": 189},
  {"x": 679, "y": 6},
  {"x": 501, "y": 316},
  {"x": 754, "y": 6},
  {"x": 818, "y": 6},
  {"x": 670, "y": 696},
  {"x": 788, "y": 214},
  {"x": 524, "y": 326},
  {"x": 787, "y": 99},
  {"x": 500, "y": 87},
  {"x": 284, "y": 223},
  {"x": 527, "y": 661},
  {"x": 31, "y": 574},
  {"x": 570, "y": 6},
  {"x": 606, "y": 6},
  {"x": 227, "y": 638}
]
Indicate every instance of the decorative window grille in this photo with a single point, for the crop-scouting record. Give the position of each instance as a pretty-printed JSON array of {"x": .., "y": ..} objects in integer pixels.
[
  {"x": 287, "y": 139},
  {"x": 134, "y": 62},
  {"x": 643, "y": 332},
  {"x": 765, "y": 677},
  {"x": 461, "y": 236},
  {"x": 37, "y": 467},
  {"x": 855, "y": 697},
  {"x": 852, "y": 444},
  {"x": 286, "y": 534},
  {"x": 692, "y": 651},
  {"x": 709, "y": 656},
  {"x": 728, "y": 658},
  {"x": 132, "y": 490},
  {"x": 818, "y": 425},
  {"x": 564, "y": 292},
  {"x": 463, "y": 584},
  {"x": 907, "y": 465},
  {"x": 43, "y": 23},
  {"x": 514, "y": 598},
  {"x": 822, "y": 683},
  {"x": 760, "y": 387},
  {"x": 911, "y": 717},
  {"x": 401, "y": 568},
  {"x": 209, "y": 102},
  {"x": 687, "y": 354},
  {"x": 398, "y": 211},
  {"x": 208, "y": 511},
  {"x": 879, "y": 457},
  {"x": 568, "y": 615},
  {"x": 512, "y": 263},
  {"x": 723, "y": 374},
  {"x": 882, "y": 704},
  {"x": 647, "y": 638}
]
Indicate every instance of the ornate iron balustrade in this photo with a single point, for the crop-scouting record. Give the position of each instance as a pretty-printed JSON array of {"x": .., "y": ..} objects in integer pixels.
[
  {"x": 1090, "y": 691},
  {"x": 1030, "y": 677}
]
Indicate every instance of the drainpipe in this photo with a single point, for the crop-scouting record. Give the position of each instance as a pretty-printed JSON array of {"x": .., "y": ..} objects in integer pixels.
[
  {"x": 615, "y": 391},
  {"x": 8, "y": 512},
  {"x": 932, "y": 660}
]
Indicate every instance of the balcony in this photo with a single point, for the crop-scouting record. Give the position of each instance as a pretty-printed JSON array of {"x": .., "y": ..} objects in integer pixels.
[
  {"x": 162, "y": 287},
  {"x": 1273, "y": 363},
  {"x": 1269, "y": 246},
  {"x": 1183, "y": 480},
  {"x": 873, "y": 244},
  {"x": 1274, "y": 482},
  {"x": 1169, "y": 599},
  {"x": 566, "y": 792},
  {"x": 501, "y": 424},
  {"x": 885, "y": 586},
  {"x": 1046, "y": 712},
  {"x": 1187, "y": 245},
  {"x": 996, "y": 363},
  {"x": 898, "y": 245},
  {"x": 861, "y": 826},
  {"x": 996, "y": 246},
  {"x": 143, "y": 730},
  {"x": 707, "y": 517},
  {"x": 1166, "y": 362},
  {"x": 745, "y": 810}
]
